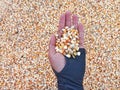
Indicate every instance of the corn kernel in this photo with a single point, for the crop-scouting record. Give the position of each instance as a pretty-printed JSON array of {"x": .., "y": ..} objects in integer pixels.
[
  {"x": 65, "y": 47},
  {"x": 68, "y": 55},
  {"x": 78, "y": 53}
]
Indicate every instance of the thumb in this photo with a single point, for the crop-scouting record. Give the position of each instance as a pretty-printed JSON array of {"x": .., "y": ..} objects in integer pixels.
[{"x": 52, "y": 45}]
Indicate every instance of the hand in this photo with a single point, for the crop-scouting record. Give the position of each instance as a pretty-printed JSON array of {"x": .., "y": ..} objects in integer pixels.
[{"x": 57, "y": 60}]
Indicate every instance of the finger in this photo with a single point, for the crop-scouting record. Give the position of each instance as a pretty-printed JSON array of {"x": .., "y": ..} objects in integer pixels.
[
  {"x": 61, "y": 24},
  {"x": 81, "y": 35},
  {"x": 75, "y": 21},
  {"x": 68, "y": 18},
  {"x": 52, "y": 46}
]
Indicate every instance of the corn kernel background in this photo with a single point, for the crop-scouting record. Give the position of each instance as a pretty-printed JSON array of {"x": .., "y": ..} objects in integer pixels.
[{"x": 25, "y": 29}]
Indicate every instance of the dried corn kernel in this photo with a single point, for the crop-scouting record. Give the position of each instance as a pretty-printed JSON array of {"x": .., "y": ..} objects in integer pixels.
[
  {"x": 68, "y": 44},
  {"x": 78, "y": 53}
]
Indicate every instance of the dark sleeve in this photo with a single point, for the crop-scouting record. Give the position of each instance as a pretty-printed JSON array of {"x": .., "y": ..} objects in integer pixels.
[{"x": 71, "y": 76}]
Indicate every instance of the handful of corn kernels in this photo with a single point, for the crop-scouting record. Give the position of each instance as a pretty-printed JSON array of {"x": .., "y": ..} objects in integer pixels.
[{"x": 68, "y": 44}]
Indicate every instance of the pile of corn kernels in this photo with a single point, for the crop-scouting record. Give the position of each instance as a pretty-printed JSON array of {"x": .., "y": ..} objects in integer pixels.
[
  {"x": 68, "y": 44},
  {"x": 25, "y": 30}
]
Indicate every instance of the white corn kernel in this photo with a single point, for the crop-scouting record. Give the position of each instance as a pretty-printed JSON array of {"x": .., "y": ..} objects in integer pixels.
[
  {"x": 65, "y": 47},
  {"x": 72, "y": 45},
  {"x": 78, "y": 53},
  {"x": 68, "y": 55},
  {"x": 66, "y": 27}
]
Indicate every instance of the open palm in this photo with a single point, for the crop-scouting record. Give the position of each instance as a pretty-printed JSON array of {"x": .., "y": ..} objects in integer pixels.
[{"x": 57, "y": 60}]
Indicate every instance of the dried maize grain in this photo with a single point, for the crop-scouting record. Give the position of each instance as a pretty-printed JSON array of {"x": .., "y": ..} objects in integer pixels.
[{"x": 68, "y": 44}]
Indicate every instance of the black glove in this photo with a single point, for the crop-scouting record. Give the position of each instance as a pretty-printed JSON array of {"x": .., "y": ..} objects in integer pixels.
[{"x": 71, "y": 76}]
